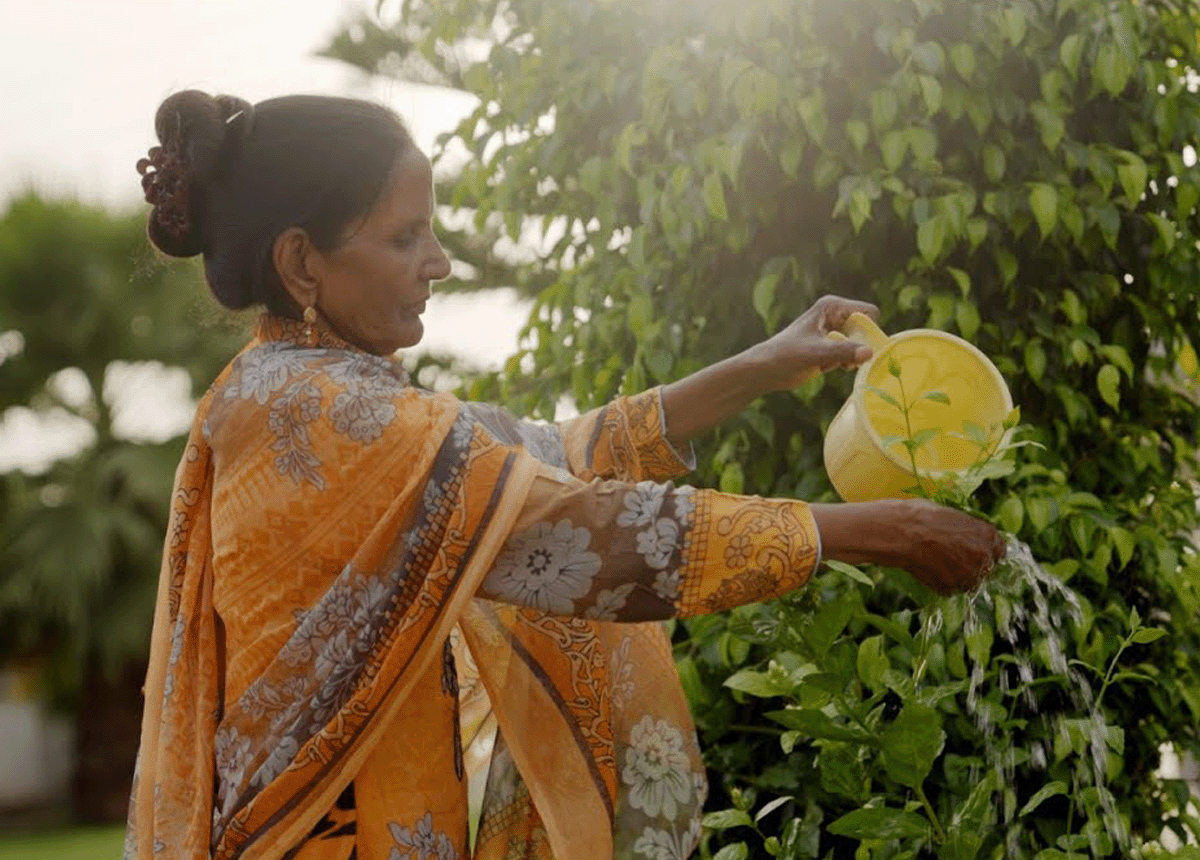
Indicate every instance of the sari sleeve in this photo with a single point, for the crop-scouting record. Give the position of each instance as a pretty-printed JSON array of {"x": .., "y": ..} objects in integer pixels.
[
  {"x": 625, "y": 440},
  {"x": 645, "y": 551}
]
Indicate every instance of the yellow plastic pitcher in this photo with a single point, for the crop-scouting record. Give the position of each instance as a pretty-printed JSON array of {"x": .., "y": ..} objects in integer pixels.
[{"x": 948, "y": 386}]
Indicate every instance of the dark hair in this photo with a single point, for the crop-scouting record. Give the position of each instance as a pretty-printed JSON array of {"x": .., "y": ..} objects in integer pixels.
[{"x": 231, "y": 177}]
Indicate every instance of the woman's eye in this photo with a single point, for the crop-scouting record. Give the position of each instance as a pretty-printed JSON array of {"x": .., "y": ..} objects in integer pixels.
[{"x": 406, "y": 240}]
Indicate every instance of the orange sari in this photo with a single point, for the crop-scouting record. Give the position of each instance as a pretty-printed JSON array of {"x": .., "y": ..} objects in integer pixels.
[{"x": 380, "y": 608}]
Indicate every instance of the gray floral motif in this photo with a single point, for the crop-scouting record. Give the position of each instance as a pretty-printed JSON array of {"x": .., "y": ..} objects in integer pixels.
[
  {"x": 232, "y": 753},
  {"x": 656, "y": 844},
  {"x": 421, "y": 842},
  {"x": 657, "y": 770},
  {"x": 642, "y": 504},
  {"x": 685, "y": 505},
  {"x": 277, "y": 761},
  {"x": 609, "y": 602},
  {"x": 666, "y": 585},
  {"x": 659, "y": 542},
  {"x": 262, "y": 372},
  {"x": 620, "y": 675},
  {"x": 547, "y": 567},
  {"x": 366, "y": 403},
  {"x": 544, "y": 442},
  {"x": 176, "y": 651}
]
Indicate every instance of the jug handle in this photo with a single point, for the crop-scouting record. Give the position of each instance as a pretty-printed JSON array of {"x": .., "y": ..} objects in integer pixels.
[{"x": 860, "y": 327}]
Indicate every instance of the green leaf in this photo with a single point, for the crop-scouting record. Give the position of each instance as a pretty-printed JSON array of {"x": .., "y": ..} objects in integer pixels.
[
  {"x": 1123, "y": 541},
  {"x": 1010, "y": 514},
  {"x": 1146, "y": 635},
  {"x": 1043, "y": 200},
  {"x": 815, "y": 724},
  {"x": 850, "y": 571},
  {"x": 736, "y": 851},
  {"x": 884, "y": 396},
  {"x": 921, "y": 438},
  {"x": 1035, "y": 360},
  {"x": 994, "y": 162},
  {"x": 714, "y": 197},
  {"x": 1132, "y": 176},
  {"x": 911, "y": 744},
  {"x": 1070, "y": 52},
  {"x": 733, "y": 480},
  {"x": 966, "y": 315},
  {"x": 770, "y": 807},
  {"x": 892, "y": 147},
  {"x": 1113, "y": 67},
  {"x": 884, "y": 109},
  {"x": 857, "y": 132},
  {"x": 1108, "y": 381},
  {"x": 1047, "y": 791},
  {"x": 790, "y": 154},
  {"x": 763, "y": 685},
  {"x": 962, "y": 57},
  {"x": 931, "y": 91},
  {"x": 931, "y": 237},
  {"x": 842, "y": 770},
  {"x": 872, "y": 663},
  {"x": 937, "y": 397},
  {"x": 763, "y": 297},
  {"x": 881, "y": 823},
  {"x": 725, "y": 819},
  {"x": 1014, "y": 23}
]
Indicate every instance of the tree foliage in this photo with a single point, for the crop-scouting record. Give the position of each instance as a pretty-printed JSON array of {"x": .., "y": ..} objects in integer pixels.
[
  {"x": 80, "y": 543},
  {"x": 1018, "y": 172}
]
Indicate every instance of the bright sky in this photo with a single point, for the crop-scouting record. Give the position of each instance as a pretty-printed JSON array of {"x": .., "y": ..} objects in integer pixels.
[{"x": 80, "y": 80}]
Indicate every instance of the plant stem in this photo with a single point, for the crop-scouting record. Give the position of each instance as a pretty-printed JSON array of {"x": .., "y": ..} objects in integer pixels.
[
  {"x": 938, "y": 833},
  {"x": 1108, "y": 676}
]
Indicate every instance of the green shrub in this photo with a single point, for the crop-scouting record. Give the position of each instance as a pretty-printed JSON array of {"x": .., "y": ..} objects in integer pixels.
[{"x": 1014, "y": 171}]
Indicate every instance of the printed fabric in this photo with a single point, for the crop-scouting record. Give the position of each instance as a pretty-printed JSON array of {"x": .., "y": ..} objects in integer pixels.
[{"x": 395, "y": 626}]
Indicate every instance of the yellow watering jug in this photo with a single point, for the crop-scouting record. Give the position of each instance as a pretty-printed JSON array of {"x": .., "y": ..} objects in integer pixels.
[{"x": 954, "y": 398}]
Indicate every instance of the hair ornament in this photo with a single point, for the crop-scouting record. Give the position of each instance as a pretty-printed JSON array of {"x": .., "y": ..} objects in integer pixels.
[{"x": 165, "y": 186}]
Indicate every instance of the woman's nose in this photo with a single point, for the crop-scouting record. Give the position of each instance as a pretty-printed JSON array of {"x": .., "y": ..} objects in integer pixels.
[{"x": 438, "y": 265}]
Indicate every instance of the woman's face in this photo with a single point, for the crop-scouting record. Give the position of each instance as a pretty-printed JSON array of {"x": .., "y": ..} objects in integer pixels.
[{"x": 374, "y": 285}]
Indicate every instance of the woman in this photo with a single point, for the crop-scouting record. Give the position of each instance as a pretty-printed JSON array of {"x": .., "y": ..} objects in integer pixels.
[{"x": 375, "y": 600}]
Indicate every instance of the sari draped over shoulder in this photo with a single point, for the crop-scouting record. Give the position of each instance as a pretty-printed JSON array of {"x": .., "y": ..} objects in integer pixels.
[{"x": 381, "y": 609}]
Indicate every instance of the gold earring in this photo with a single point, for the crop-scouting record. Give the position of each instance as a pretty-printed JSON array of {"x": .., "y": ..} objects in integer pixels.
[{"x": 310, "y": 317}]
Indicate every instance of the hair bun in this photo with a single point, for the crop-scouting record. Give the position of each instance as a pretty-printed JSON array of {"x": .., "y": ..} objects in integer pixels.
[{"x": 197, "y": 133}]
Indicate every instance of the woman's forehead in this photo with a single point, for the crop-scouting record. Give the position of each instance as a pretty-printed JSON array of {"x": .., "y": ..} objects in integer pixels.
[{"x": 409, "y": 185}]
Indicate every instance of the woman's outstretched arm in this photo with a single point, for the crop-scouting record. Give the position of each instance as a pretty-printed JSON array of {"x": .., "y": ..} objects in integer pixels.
[{"x": 697, "y": 403}]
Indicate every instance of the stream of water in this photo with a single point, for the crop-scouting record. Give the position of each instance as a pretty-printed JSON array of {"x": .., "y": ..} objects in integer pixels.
[{"x": 1034, "y": 616}]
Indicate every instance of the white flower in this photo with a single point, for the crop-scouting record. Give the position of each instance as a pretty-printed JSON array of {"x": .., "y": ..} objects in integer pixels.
[
  {"x": 656, "y": 769},
  {"x": 609, "y": 602},
  {"x": 666, "y": 585},
  {"x": 547, "y": 567},
  {"x": 657, "y": 543},
  {"x": 642, "y": 504}
]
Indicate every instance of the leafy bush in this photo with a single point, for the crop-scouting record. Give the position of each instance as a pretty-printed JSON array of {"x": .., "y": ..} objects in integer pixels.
[{"x": 1015, "y": 171}]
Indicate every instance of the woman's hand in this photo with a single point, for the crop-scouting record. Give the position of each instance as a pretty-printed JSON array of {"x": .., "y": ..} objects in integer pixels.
[
  {"x": 697, "y": 403},
  {"x": 804, "y": 349},
  {"x": 944, "y": 549},
  {"x": 947, "y": 550}
]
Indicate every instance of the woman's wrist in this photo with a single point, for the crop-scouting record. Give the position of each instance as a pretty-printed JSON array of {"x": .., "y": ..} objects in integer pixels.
[{"x": 878, "y": 532}]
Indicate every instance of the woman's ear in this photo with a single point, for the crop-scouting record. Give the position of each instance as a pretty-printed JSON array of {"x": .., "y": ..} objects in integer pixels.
[{"x": 297, "y": 264}]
